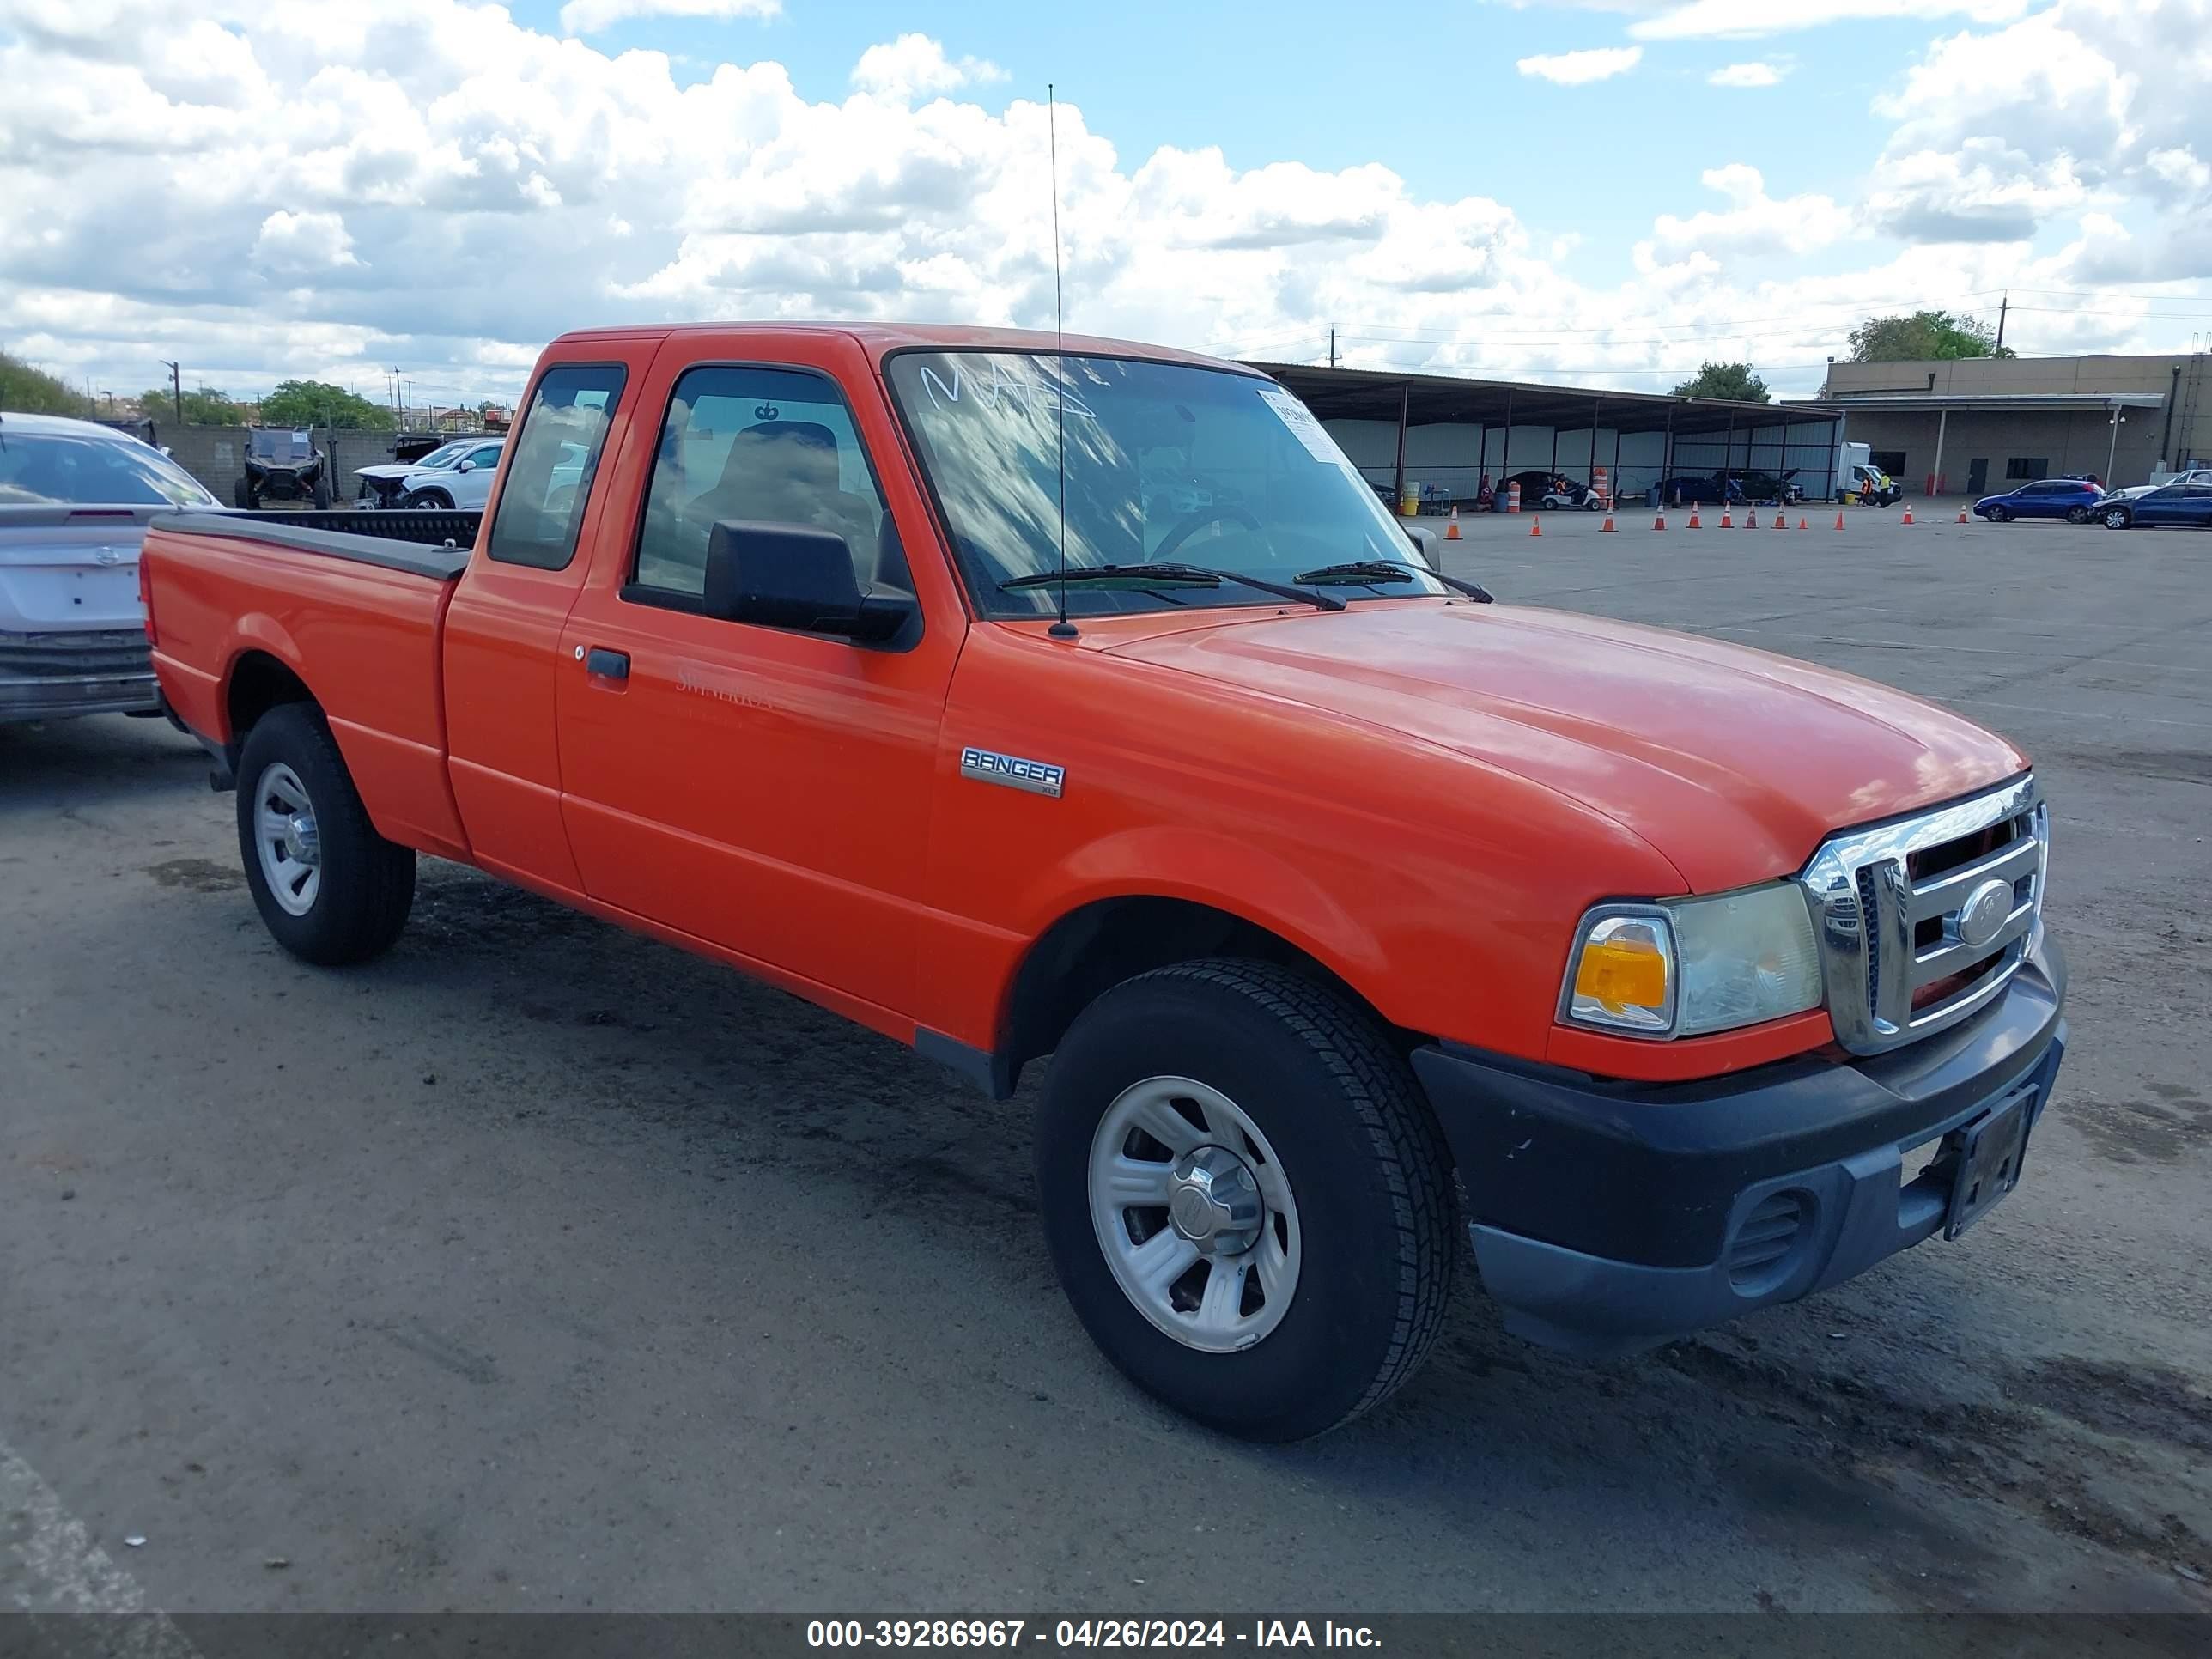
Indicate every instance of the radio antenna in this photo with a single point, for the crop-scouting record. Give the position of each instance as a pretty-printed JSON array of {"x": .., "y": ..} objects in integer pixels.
[{"x": 1062, "y": 630}]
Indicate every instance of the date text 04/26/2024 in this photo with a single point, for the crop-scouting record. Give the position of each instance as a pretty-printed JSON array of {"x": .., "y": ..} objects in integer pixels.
[{"x": 1065, "y": 1634}]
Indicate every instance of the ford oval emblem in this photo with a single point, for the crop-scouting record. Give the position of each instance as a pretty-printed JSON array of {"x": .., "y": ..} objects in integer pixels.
[{"x": 1982, "y": 916}]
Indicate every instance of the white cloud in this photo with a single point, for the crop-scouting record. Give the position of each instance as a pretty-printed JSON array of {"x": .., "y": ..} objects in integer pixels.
[
  {"x": 1574, "y": 69},
  {"x": 299, "y": 243},
  {"x": 1743, "y": 19},
  {"x": 2101, "y": 98},
  {"x": 914, "y": 63},
  {"x": 590, "y": 16},
  {"x": 1753, "y": 222},
  {"x": 1748, "y": 75},
  {"x": 308, "y": 189}
]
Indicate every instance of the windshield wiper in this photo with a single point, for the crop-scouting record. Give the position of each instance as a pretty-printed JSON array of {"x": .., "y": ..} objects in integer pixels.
[
  {"x": 1197, "y": 575},
  {"x": 1364, "y": 571}
]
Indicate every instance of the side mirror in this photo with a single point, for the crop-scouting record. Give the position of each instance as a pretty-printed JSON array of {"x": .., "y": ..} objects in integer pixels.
[
  {"x": 464, "y": 466},
  {"x": 795, "y": 576}
]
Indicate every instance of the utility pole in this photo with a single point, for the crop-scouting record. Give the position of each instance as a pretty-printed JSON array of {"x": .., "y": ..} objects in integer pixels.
[
  {"x": 176, "y": 386},
  {"x": 2004, "y": 305},
  {"x": 1332, "y": 348}
]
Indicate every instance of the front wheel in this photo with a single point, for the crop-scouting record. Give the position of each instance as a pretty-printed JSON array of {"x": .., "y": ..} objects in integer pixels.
[
  {"x": 329, "y": 889},
  {"x": 1246, "y": 1198},
  {"x": 241, "y": 494},
  {"x": 322, "y": 495},
  {"x": 437, "y": 500},
  {"x": 2116, "y": 517},
  {"x": 2000, "y": 515}
]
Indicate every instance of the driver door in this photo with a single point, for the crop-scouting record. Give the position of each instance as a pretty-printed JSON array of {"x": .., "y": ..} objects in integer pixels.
[{"x": 763, "y": 790}]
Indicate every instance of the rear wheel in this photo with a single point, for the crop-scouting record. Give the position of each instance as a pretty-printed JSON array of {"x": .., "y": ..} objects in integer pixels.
[
  {"x": 241, "y": 493},
  {"x": 2116, "y": 518},
  {"x": 329, "y": 889},
  {"x": 1246, "y": 1198},
  {"x": 2077, "y": 515},
  {"x": 322, "y": 494}
]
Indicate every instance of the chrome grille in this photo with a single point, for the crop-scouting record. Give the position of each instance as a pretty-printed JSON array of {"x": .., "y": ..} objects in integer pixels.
[{"x": 1922, "y": 921}]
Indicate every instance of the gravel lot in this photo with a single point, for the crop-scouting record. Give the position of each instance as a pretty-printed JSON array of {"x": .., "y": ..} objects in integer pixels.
[{"x": 540, "y": 1267}]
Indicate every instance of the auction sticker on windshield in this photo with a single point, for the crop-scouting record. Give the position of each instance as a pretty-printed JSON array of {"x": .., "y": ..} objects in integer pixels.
[{"x": 1306, "y": 429}]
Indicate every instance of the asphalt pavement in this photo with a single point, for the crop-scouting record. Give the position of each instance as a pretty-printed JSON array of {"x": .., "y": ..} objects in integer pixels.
[{"x": 541, "y": 1267}]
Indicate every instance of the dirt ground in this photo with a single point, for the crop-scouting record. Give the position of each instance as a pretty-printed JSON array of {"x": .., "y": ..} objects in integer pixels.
[{"x": 539, "y": 1267}]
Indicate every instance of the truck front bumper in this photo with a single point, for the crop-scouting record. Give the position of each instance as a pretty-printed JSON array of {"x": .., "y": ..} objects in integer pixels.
[
  {"x": 53, "y": 675},
  {"x": 1610, "y": 1217}
]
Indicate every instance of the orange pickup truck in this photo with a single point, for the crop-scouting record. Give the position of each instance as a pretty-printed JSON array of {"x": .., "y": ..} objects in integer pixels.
[{"x": 1019, "y": 699}]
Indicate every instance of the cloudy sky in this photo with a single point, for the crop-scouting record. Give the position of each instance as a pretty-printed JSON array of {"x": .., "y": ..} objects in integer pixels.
[{"x": 1605, "y": 191}]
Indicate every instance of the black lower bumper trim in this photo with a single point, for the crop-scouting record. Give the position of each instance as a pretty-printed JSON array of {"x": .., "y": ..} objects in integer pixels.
[{"x": 1608, "y": 1215}]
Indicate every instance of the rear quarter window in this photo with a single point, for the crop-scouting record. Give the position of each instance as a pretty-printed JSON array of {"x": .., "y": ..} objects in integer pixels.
[{"x": 556, "y": 460}]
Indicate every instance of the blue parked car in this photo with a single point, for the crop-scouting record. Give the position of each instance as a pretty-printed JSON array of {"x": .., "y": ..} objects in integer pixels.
[
  {"x": 2185, "y": 505},
  {"x": 2073, "y": 499}
]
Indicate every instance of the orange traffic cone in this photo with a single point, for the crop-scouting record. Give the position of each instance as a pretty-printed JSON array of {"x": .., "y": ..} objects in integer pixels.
[
  {"x": 1839, "y": 518},
  {"x": 1451, "y": 530},
  {"x": 1727, "y": 523},
  {"x": 1908, "y": 516},
  {"x": 1802, "y": 525},
  {"x": 1962, "y": 518},
  {"x": 1607, "y": 525},
  {"x": 1751, "y": 518},
  {"x": 1780, "y": 522},
  {"x": 1694, "y": 525},
  {"x": 1537, "y": 525},
  {"x": 1660, "y": 523}
]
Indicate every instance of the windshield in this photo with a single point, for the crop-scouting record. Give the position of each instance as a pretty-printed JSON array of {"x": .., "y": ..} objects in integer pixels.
[
  {"x": 444, "y": 456},
  {"x": 265, "y": 444},
  {"x": 1167, "y": 463},
  {"x": 71, "y": 469}
]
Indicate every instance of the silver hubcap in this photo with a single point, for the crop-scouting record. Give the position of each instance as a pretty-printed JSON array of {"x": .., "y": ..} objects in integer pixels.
[
  {"x": 285, "y": 836},
  {"x": 1195, "y": 1214}
]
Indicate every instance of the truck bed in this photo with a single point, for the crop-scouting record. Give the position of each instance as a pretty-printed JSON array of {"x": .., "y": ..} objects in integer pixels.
[{"x": 352, "y": 605}]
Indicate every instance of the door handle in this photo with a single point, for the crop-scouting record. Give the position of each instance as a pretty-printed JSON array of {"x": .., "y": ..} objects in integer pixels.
[{"x": 603, "y": 665}]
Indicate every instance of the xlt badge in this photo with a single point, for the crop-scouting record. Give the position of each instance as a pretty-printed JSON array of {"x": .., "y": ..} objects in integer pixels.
[{"x": 1038, "y": 777}]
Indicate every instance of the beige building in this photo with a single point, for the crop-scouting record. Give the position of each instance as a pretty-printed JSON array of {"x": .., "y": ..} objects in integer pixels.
[{"x": 1978, "y": 426}]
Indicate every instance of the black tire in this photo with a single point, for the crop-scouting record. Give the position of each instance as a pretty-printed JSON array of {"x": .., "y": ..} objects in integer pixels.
[
  {"x": 2077, "y": 515},
  {"x": 2118, "y": 517},
  {"x": 435, "y": 499},
  {"x": 1999, "y": 515},
  {"x": 241, "y": 493},
  {"x": 365, "y": 884},
  {"x": 1368, "y": 1169},
  {"x": 322, "y": 494}
]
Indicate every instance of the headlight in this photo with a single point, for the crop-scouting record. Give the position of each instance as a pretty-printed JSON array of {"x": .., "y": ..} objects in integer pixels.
[{"x": 1691, "y": 966}]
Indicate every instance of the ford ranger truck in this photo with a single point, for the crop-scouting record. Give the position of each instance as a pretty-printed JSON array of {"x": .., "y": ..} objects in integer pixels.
[{"x": 1020, "y": 703}]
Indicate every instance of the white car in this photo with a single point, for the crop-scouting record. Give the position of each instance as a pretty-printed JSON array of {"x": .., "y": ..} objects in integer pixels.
[
  {"x": 75, "y": 500},
  {"x": 385, "y": 484},
  {"x": 462, "y": 480},
  {"x": 2196, "y": 475}
]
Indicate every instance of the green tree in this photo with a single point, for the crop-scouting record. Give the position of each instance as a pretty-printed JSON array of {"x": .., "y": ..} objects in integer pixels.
[
  {"x": 33, "y": 391},
  {"x": 1924, "y": 335},
  {"x": 317, "y": 403},
  {"x": 204, "y": 406},
  {"x": 1734, "y": 380}
]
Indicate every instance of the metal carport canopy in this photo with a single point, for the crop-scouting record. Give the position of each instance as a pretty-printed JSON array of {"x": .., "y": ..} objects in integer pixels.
[{"x": 1368, "y": 394}]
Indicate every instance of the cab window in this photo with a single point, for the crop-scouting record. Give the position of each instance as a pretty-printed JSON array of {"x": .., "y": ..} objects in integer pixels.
[
  {"x": 771, "y": 445},
  {"x": 556, "y": 456}
]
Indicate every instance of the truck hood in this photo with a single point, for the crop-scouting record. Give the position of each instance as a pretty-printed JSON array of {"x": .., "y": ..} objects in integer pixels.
[{"x": 1734, "y": 764}]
